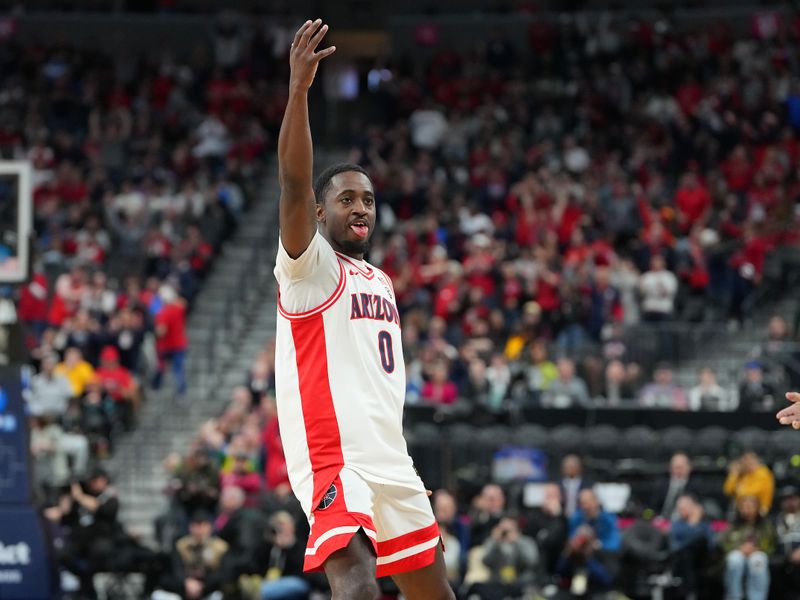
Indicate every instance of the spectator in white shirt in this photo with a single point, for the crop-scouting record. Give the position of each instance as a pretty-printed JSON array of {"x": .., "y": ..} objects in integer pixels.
[
  {"x": 658, "y": 287},
  {"x": 50, "y": 392},
  {"x": 708, "y": 394}
]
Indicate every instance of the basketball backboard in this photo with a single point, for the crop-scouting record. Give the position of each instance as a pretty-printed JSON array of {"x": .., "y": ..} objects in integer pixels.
[{"x": 16, "y": 221}]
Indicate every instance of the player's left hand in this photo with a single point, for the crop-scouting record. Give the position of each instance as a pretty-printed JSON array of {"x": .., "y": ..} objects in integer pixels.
[{"x": 791, "y": 414}]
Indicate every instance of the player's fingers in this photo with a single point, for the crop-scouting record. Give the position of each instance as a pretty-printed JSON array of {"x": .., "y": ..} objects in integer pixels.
[
  {"x": 317, "y": 37},
  {"x": 300, "y": 32},
  {"x": 793, "y": 396},
  {"x": 326, "y": 52},
  {"x": 308, "y": 33},
  {"x": 796, "y": 424}
]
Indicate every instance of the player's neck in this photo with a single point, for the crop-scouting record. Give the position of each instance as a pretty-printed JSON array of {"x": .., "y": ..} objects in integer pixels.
[{"x": 341, "y": 249}]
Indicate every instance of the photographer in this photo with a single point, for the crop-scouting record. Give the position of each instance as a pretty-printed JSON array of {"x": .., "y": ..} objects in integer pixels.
[
  {"x": 512, "y": 559},
  {"x": 581, "y": 569}
]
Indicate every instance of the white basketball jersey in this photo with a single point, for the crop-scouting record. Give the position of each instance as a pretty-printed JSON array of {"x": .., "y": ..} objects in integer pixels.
[{"x": 340, "y": 375}]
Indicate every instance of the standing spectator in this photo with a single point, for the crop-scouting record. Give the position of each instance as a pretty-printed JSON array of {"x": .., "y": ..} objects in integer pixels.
[
  {"x": 50, "y": 391},
  {"x": 787, "y": 526},
  {"x": 708, "y": 394},
  {"x": 679, "y": 483},
  {"x": 547, "y": 526},
  {"x": 748, "y": 476},
  {"x": 658, "y": 287},
  {"x": 171, "y": 334},
  {"x": 568, "y": 390},
  {"x": 748, "y": 544},
  {"x": 488, "y": 508},
  {"x": 602, "y": 523},
  {"x": 572, "y": 483},
  {"x": 755, "y": 394},
  {"x": 690, "y": 540},
  {"x": 662, "y": 392}
]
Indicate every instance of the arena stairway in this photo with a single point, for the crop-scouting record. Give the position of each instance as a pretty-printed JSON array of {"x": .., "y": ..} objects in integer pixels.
[{"x": 231, "y": 320}]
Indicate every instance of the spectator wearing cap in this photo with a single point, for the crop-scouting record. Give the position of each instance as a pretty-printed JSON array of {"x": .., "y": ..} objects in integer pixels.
[
  {"x": 50, "y": 391},
  {"x": 171, "y": 334},
  {"x": 198, "y": 563},
  {"x": 755, "y": 394},
  {"x": 78, "y": 371},
  {"x": 119, "y": 384},
  {"x": 748, "y": 476},
  {"x": 787, "y": 527}
]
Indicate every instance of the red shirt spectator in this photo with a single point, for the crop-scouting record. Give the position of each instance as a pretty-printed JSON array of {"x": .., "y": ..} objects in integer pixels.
[
  {"x": 32, "y": 305},
  {"x": 693, "y": 201},
  {"x": 171, "y": 325},
  {"x": 440, "y": 390},
  {"x": 116, "y": 380}
]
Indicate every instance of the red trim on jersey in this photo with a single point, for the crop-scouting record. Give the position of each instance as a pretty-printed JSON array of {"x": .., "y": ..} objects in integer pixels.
[
  {"x": 369, "y": 272},
  {"x": 322, "y": 307},
  {"x": 319, "y": 414},
  {"x": 413, "y": 538}
]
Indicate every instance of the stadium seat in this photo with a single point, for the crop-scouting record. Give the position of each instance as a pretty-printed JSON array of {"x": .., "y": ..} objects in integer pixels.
[
  {"x": 566, "y": 439},
  {"x": 752, "y": 438},
  {"x": 640, "y": 442},
  {"x": 531, "y": 435},
  {"x": 710, "y": 443},
  {"x": 675, "y": 439}
]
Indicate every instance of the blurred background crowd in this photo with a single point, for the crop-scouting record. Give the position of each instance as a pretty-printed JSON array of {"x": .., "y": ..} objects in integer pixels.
[{"x": 567, "y": 213}]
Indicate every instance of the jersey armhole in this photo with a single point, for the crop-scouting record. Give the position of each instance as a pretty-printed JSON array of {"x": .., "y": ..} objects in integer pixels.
[{"x": 318, "y": 309}]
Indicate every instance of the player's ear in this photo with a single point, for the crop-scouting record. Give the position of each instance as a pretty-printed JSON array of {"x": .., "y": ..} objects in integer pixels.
[{"x": 320, "y": 208}]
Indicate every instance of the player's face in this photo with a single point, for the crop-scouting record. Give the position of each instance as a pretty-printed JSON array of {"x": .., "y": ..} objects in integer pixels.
[{"x": 348, "y": 212}]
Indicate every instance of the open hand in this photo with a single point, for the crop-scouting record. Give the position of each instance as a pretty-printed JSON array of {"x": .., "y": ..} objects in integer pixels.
[
  {"x": 791, "y": 414},
  {"x": 303, "y": 58}
]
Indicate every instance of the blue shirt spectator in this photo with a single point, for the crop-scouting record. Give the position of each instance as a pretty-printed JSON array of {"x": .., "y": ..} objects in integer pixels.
[{"x": 592, "y": 514}]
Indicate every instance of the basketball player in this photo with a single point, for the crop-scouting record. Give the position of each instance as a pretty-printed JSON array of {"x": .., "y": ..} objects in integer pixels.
[
  {"x": 340, "y": 373},
  {"x": 791, "y": 414}
]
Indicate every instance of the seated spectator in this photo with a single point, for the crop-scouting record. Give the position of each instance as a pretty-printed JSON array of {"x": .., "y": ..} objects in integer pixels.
[
  {"x": 658, "y": 287},
  {"x": 540, "y": 371},
  {"x": 239, "y": 470},
  {"x": 708, "y": 394},
  {"x": 78, "y": 371},
  {"x": 119, "y": 385},
  {"x": 547, "y": 526},
  {"x": 755, "y": 394},
  {"x": 239, "y": 526},
  {"x": 602, "y": 523},
  {"x": 748, "y": 544},
  {"x": 50, "y": 391},
  {"x": 572, "y": 483},
  {"x": 97, "y": 418},
  {"x": 690, "y": 541},
  {"x": 748, "y": 476},
  {"x": 511, "y": 558},
  {"x": 787, "y": 528},
  {"x": 488, "y": 508},
  {"x": 679, "y": 483},
  {"x": 568, "y": 390},
  {"x": 198, "y": 564},
  {"x": 278, "y": 561},
  {"x": 663, "y": 392},
  {"x": 50, "y": 466},
  {"x": 197, "y": 482},
  {"x": 619, "y": 387},
  {"x": 581, "y": 567},
  {"x": 440, "y": 390}
]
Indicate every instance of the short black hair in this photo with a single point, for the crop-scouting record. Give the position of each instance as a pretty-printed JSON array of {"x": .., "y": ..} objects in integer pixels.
[{"x": 323, "y": 181}]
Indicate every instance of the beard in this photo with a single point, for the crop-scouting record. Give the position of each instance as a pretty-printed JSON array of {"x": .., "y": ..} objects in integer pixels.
[{"x": 354, "y": 246}]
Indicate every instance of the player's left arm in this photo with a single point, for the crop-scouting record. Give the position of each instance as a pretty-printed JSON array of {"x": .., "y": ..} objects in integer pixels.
[{"x": 791, "y": 414}]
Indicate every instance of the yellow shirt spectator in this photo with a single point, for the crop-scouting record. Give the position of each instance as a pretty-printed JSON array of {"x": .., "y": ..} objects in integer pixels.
[
  {"x": 748, "y": 477},
  {"x": 76, "y": 370}
]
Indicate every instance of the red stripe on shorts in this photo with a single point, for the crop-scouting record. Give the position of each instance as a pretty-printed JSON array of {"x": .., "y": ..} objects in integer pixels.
[{"x": 319, "y": 415}]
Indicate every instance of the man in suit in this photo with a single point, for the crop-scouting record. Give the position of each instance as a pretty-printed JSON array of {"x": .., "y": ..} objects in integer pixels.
[
  {"x": 665, "y": 497},
  {"x": 572, "y": 483}
]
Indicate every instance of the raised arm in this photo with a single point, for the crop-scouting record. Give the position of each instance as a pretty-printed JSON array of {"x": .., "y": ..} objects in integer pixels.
[{"x": 295, "y": 154}]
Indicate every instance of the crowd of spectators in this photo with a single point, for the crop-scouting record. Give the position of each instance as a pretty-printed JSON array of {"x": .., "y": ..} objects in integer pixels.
[{"x": 539, "y": 203}]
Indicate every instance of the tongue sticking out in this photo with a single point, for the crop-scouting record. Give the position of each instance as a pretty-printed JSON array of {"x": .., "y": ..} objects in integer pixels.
[{"x": 360, "y": 230}]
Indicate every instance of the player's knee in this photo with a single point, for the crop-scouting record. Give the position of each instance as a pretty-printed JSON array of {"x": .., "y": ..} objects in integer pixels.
[{"x": 356, "y": 587}]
